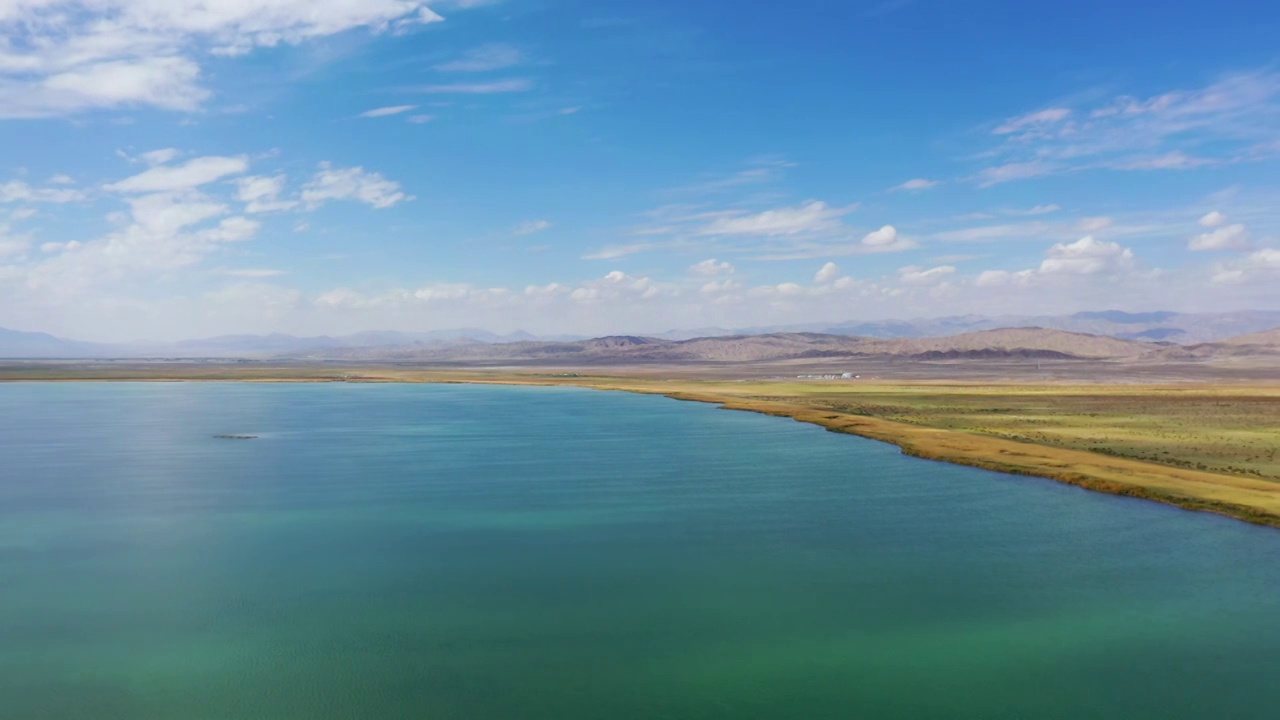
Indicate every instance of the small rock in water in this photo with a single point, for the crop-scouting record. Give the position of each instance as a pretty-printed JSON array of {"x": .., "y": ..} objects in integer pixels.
[{"x": 236, "y": 437}]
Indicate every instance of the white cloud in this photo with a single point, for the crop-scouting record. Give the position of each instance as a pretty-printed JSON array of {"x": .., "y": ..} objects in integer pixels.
[
  {"x": 1033, "y": 121},
  {"x": 1036, "y": 210},
  {"x": 1068, "y": 263},
  {"x": 1176, "y": 160},
  {"x": 252, "y": 272},
  {"x": 69, "y": 56},
  {"x": 486, "y": 58},
  {"x": 483, "y": 88},
  {"x": 22, "y": 214},
  {"x": 420, "y": 119},
  {"x": 332, "y": 183},
  {"x": 915, "y": 185},
  {"x": 916, "y": 275},
  {"x": 1086, "y": 256},
  {"x": 885, "y": 236},
  {"x": 1230, "y": 120},
  {"x": 711, "y": 268},
  {"x": 828, "y": 273},
  {"x": 530, "y": 227},
  {"x": 160, "y": 157},
  {"x": 813, "y": 216},
  {"x": 1012, "y": 171},
  {"x": 1002, "y": 278},
  {"x": 614, "y": 252},
  {"x": 194, "y": 173},
  {"x": 1231, "y": 237},
  {"x": 1094, "y": 224},
  {"x": 1213, "y": 219},
  {"x": 987, "y": 233},
  {"x": 388, "y": 111},
  {"x": 719, "y": 287},
  {"x": 12, "y": 245},
  {"x": 261, "y": 194},
  {"x": 1262, "y": 265},
  {"x": 16, "y": 191}
]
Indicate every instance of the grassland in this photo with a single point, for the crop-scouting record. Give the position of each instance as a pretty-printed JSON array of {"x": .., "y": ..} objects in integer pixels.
[{"x": 1200, "y": 446}]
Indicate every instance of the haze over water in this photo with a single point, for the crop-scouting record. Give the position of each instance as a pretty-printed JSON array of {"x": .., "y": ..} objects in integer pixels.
[{"x": 411, "y": 551}]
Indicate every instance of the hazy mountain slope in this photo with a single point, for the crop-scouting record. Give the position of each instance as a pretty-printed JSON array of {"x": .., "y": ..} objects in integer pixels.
[
  {"x": 17, "y": 344},
  {"x": 1269, "y": 338},
  {"x": 1020, "y": 342},
  {"x": 1186, "y": 328}
]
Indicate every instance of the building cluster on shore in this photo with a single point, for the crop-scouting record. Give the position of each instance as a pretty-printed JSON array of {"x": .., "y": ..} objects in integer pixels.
[{"x": 843, "y": 376}]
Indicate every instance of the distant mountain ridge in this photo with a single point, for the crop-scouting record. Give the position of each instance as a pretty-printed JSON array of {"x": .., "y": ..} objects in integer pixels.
[
  {"x": 1007, "y": 343},
  {"x": 1190, "y": 330}
]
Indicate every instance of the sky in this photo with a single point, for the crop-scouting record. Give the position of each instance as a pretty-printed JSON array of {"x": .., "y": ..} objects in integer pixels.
[{"x": 174, "y": 169}]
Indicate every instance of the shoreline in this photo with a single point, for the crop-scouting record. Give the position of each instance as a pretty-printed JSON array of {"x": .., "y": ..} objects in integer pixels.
[{"x": 1188, "y": 489}]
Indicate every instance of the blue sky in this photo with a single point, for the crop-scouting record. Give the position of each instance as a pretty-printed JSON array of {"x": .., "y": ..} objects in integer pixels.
[{"x": 179, "y": 168}]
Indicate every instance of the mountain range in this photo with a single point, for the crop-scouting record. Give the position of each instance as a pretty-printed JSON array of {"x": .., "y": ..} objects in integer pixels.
[
  {"x": 1142, "y": 333},
  {"x": 1007, "y": 343}
]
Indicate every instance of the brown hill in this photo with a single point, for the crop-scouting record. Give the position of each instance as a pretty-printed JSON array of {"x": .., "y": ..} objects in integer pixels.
[
  {"x": 1007, "y": 343},
  {"x": 1269, "y": 338}
]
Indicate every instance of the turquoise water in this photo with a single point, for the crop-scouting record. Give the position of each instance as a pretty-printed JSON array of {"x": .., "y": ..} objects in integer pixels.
[{"x": 527, "y": 553}]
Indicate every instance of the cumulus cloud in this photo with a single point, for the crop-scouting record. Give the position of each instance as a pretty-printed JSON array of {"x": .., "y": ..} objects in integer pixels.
[
  {"x": 1213, "y": 219},
  {"x": 885, "y": 240},
  {"x": 1231, "y": 237},
  {"x": 618, "y": 285},
  {"x": 828, "y": 273},
  {"x": 1262, "y": 265},
  {"x": 333, "y": 183},
  {"x": 69, "y": 56},
  {"x": 1086, "y": 256},
  {"x": 176, "y": 216}
]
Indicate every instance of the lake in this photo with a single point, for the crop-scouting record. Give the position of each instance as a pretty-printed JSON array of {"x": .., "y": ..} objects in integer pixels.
[{"x": 417, "y": 551}]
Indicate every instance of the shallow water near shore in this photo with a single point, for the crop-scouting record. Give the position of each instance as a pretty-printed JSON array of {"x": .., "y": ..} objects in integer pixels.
[{"x": 419, "y": 551}]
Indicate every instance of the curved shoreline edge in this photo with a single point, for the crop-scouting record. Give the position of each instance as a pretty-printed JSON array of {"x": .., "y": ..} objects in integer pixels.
[
  {"x": 1254, "y": 501},
  {"x": 1186, "y": 489}
]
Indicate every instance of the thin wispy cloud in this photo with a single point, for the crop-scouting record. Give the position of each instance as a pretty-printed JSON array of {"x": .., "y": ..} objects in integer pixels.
[
  {"x": 388, "y": 111},
  {"x": 482, "y": 88},
  {"x": 486, "y": 58},
  {"x": 65, "y": 57},
  {"x": 915, "y": 185},
  {"x": 530, "y": 227},
  {"x": 1223, "y": 122}
]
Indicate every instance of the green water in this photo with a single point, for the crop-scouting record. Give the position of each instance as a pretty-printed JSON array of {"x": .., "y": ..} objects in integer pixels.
[{"x": 512, "y": 553}]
